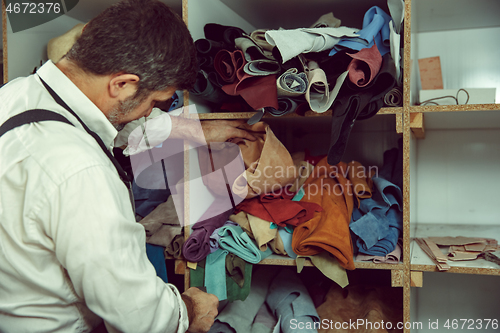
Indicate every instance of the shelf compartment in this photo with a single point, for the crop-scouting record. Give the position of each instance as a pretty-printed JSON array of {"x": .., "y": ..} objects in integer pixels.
[
  {"x": 420, "y": 261},
  {"x": 440, "y": 28}
]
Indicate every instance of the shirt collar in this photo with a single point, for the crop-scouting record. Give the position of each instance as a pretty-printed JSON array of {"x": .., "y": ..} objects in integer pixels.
[{"x": 90, "y": 114}]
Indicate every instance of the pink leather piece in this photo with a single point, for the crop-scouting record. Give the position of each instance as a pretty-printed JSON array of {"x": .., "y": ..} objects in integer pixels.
[{"x": 364, "y": 66}]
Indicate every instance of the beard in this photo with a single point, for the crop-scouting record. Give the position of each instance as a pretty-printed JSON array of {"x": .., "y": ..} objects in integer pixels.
[{"x": 123, "y": 108}]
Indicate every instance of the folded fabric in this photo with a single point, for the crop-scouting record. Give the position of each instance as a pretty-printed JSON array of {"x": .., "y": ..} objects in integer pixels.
[
  {"x": 318, "y": 94},
  {"x": 394, "y": 97},
  {"x": 285, "y": 106},
  {"x": 251, "y": 49},
  {"x": 235, "y": 240},
  {"x": 205, "y": 88},
  {"x": 239, "y": 316},
  {"x": 222, "y": 33},
  {"x": 234, "y": 292},
  {"x": 260, "y": 230},
  {"x": 328, "y": 265},
  {"x": 226, "y": 64},
  {"x": 257, "y": 91},
  {"x": 328, "y": 230},
  {"x": 261, "y": 67},
  {"x": 292, "y": 83},
  {"x": 391, "y": 258},
  {"x": 290, "y": 301},
  {"x": 327, "y": 20},
  {"x": 214, "y": 238},
  {"x": 235, "y": 268},
  {"x": 215, "y": 274},
  {"x": 259, "y": 37},
  {"x": 207, "y": 46},
  {"x": 375, "y": 30},
  {"x": 280, "y": 209},
  {"x": 293, "y": 42},
  {"x": 162, "y": 224},
  {"x": 379, "y": 220},
  {"x": 355, "y": 103},
  {"x": 376, "y": 305},
  {"x": 175, "y": 247},
  {"x": 251, "y": 167},
  {"x": 364, "y": 66},
  {"x": 197, "y": 246},
  {"x": 146, "y": 200},
  {"x": 269, "y": 165},
  {"x": 286, "y": 237}
]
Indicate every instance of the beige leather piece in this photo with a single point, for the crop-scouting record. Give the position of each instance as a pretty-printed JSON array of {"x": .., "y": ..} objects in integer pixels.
[
  {"x": 318, "y": 94},
  {"x": 260, "y": 230},
  {"x": 270, "y": 166},
  {"x": 328, "y": 265},
  {"x": 459, "y": 255},
  {"x": 442, "y": 266},
  {"x": 447, "y": 241},
  {"x": 259, "y": 37},
  {"x": 162, "y": 224},
  {"x": 438, "y": 254}
]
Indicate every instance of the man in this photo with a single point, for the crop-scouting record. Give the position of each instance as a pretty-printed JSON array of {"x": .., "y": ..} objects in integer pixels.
[{"x": 71, "y": 254}]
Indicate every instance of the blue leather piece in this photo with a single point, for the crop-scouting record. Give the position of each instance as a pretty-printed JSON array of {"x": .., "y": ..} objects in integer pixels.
[
  {"x": 375, "y": 30},
  {"x": 289, "y": 300}
]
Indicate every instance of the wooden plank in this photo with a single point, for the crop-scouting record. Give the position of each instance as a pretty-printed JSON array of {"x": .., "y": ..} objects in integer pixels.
[
  {"x": 399, "y": 123},
  {"x": 417, "y": 125},
  {"x": 248, "y": 115},
  {"x": 417, "y": 279},
  {"x": 397, "y": 278},
  {"x": 455, "y": 108},
  {"x": 180, "y": 266}
]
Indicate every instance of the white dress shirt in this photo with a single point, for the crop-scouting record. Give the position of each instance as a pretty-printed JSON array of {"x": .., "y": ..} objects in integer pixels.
[{"x": 70, "y": 249}]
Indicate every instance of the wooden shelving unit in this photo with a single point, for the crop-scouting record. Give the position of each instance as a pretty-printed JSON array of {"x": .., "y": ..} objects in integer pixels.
[{"x": 436, "y": 139}]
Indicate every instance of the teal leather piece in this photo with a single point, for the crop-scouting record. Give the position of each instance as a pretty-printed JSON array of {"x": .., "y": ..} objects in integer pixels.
[
  {"x": 215, "y": 274},
  {"x": 237, "y": 241}
]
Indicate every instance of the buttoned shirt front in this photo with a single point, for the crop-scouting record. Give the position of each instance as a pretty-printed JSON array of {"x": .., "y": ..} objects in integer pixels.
[{"x": 70, "y": 249}]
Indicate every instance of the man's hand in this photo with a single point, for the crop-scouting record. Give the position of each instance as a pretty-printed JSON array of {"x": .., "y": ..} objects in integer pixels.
[
  {"x": 209, "y": 131},
  {"x": 223, "y": 130},
  {"x": 201, "y": 308}
]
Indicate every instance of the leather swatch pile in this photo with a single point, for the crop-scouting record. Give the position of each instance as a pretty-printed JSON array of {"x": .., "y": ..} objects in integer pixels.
[{"x": 325, "y": 66}]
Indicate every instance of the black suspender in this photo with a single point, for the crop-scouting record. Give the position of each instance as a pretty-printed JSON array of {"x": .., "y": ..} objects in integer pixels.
[
  {"x": 37, "y": 115},
  {"x": 31, "y": 116}
]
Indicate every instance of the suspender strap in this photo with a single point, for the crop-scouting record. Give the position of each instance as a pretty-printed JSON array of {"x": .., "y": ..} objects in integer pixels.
[
  {"x": 31, "y": 116},
  {"x": 123, "y": 175}
]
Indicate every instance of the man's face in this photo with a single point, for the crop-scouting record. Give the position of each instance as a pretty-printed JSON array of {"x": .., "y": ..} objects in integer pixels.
[{"x": 134, "y": 108}]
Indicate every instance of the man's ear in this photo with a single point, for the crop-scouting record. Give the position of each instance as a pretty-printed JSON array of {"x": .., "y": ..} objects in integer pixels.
[{"x": 123, "y": 85}]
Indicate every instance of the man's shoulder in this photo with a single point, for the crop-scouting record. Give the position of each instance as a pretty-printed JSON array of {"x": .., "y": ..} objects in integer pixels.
[{"x": 61, "y": 150}]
